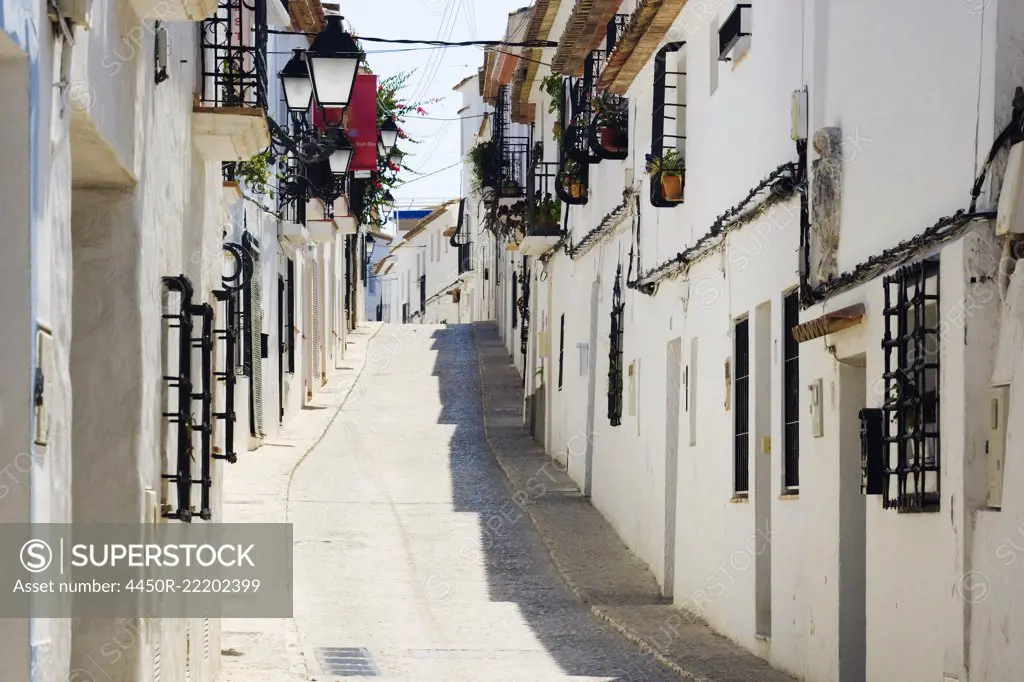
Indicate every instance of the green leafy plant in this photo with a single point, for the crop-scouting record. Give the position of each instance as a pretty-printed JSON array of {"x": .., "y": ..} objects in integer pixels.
[
  {"x": 670, "y": 163},
  {"x": 549, "y": 209},
  {"x": 255, "y": 172},
  {"x": 551, "y": 85},
  {"x": 609, "y": 110},
  {"x": 479, "y": 156}
]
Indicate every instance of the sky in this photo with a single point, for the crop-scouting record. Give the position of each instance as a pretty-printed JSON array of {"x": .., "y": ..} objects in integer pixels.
[{"x": 435, "y": 71}]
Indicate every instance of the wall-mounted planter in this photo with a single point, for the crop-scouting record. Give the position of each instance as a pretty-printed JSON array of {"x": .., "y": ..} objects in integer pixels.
[
  {"x": 174, "y": 10},
  {"x": 295, "y": 234},
  {"x": 321, "y": 231}
]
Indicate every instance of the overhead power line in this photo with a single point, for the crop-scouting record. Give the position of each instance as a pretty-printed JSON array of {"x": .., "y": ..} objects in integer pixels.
[{"x": 438, "y": 43}]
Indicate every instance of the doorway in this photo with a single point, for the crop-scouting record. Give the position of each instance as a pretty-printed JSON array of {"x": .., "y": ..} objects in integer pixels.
[{"x": 852, "y": 525}]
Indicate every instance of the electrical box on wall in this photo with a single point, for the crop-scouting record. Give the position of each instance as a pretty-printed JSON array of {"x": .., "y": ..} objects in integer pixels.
[
  {"x": 1010, "y": 215},
  {"x": 542, "y": 343},
  {"x": 816, "y": 401},
  {"x": 995, "y": 446},
  {"x": 798, "y": 115}
]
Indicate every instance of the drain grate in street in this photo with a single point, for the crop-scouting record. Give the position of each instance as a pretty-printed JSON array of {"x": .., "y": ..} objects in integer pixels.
[{"x": 347, "y": 662}]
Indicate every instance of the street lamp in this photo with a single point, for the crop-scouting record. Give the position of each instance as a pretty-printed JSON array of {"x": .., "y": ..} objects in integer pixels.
[
  {"x": 368, "y": 243},
  {"x": 298, "y": 88},
  {"x": 341, "y": 157},
  {"x": 388, "y": 137},
  {"x": 333, "y": 60}
]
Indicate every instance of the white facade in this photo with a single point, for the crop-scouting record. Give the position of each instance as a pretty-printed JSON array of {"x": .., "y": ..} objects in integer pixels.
[
  {"x": 808, "y": 573},
  {"x": 113, "y": 182}
]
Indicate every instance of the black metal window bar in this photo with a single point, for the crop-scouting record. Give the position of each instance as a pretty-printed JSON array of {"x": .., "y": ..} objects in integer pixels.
[
  {"x": 791, "y": 394},
  {"x": 741, "y": 409},
  {"x": 292, "y": 191},
  {"x": 607, "y": 128},
  {"x": 515, "y": 301},
  {"x": 911, "y": 408},
  {"x": 250, "y": 248},
  {"x": 615, "y": 352},
  {"x": 423, "y": 294},
  {"x": 405, "y": 313},
  {"x": 662, "y": 111},
  {"x": 460, "y": 239},
  {"x": 180, "y": 323},
  {"x": 233, "y": 56},
  {"x": 543, "y": 210},
  {"x": 733, "y": 29},
  {"x": 524, "y": 309},
  {"x": 616, "y": 27},
  {"x": 289, "y": 332},
  {"x": 229, "y": 298},
  {"x": 572, "y": 183}
]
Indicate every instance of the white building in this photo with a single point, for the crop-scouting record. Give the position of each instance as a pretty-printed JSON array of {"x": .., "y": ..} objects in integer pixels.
[
  {"x": 719, "y": 430},
  {"x": 377, "y": 244},
  {"x": 121, "y": 223},
  {"x": 427, "y": 272}
]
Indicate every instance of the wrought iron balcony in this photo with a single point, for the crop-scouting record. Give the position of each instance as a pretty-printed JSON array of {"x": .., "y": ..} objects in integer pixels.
[
  {"x": 232, "y": 91},
  {"x": 734, "y": 35},
  {"x": 543, "y": 206}
]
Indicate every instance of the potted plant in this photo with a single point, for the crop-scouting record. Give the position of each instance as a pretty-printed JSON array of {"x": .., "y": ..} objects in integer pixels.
[
  {"x": 479, "y": 157},
  {"x": 668, "y": 169},
  {"x": 509, "y": 188},
  {"x": 551, "y": 85},
  {"x": 611, "y": 121},
  {"x": 571, "y": 182},
  {"x": 549, "y": 212}
]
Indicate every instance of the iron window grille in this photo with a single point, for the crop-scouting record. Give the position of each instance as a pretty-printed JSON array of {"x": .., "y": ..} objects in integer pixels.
[
  {"x": 290, "y": 330},
  {"x": 179, "y": 317},
  {"x": 791, "y": 394},
  {"x": 734, "y": 29},
  {"x": 910, "y": 412},
  {"x": 616, "y": 27},
  {"x": 250, "y": 249},
  {"x": 423, "y": 294},
  {"x": 663, "y": 111},
  {"x": 230, "y": 297},
  {"x": 524, "y": 311},
  {"x": 615, "y": 352},
  {"x": 515, "y": 301},
  {"x": 572, "y": 182},
  {"x": 541, "y": 203},
  {"x": 233, "y": 56},
  {"x": 405, "y": 313},
  {"x": 741, "y": 409},
  {"x": 460, "y": 239}
]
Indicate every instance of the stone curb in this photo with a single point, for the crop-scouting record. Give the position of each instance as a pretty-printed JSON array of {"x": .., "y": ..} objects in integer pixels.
[
  {"x": 748, "y": 665},
  {"x": 643, "y": 646}
]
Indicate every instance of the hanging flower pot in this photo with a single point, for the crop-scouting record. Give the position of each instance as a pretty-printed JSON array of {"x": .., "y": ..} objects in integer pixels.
[
  {"x": 672, "y": 187},
  {"x": 612, "y": 138}
]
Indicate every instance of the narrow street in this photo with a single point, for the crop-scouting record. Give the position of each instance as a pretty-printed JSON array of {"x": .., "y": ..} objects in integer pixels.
[{"x": 408, "y": 545}]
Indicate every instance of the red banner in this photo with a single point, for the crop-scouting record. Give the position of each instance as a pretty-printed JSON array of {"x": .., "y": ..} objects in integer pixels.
[{"x": 359, "y": 119}]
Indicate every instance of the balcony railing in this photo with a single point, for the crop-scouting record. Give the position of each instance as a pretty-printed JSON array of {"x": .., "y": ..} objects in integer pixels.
[
  {"x": 233, "y": 56},
  {"x": 543, "y": 208}
]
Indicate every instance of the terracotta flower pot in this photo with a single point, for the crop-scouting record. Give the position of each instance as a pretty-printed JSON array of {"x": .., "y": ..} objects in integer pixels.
[
  {"x": 611, "y": 138},
  {"x": 672, "y": 187}
]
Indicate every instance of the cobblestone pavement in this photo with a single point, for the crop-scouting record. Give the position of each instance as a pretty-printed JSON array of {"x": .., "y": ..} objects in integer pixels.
[{"x": 412, "y": 559}]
